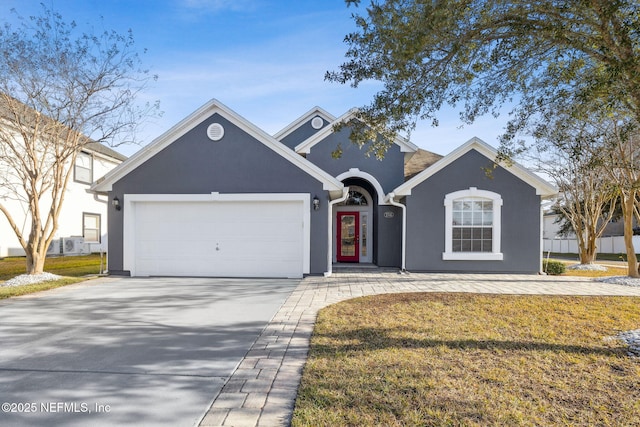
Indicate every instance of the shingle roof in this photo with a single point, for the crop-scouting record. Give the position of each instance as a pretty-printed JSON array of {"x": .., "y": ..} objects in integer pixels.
[
  {"x": 93, "y": 146},
  {"x": 103, "y": 149},
  {"x": 418, "y": 162}
]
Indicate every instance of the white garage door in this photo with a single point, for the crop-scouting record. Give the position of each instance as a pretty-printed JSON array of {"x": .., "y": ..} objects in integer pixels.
[{"x": 223, "y": 237}]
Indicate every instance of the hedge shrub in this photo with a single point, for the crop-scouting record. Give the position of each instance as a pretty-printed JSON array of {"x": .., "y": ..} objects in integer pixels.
[{"x": 553, "y": 267}]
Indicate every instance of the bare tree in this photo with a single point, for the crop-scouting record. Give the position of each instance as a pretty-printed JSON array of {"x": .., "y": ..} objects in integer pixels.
[
  {"x": 60, "y": 89},
  {"x": 599, "y": 150},
  {"x": 622, "y": 160},
  {"x": 587, "y": 196}
]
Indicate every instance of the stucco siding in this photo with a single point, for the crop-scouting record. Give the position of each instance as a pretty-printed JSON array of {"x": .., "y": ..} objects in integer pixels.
[
  {"x": 238, "y": 163},
  {"x": 389, "y": 171},
  {"x": 302, "y": 133},
  {"x": 520, "y": 223},
  {"x": 388, "y": 236}
]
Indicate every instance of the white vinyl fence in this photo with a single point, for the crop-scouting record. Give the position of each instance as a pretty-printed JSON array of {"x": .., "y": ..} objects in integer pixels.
[{"x": 606, "y": 245}]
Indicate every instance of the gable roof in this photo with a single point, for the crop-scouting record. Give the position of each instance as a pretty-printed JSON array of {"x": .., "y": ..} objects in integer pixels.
[
  {"x": 305, "y": 146},
  {"x": 543, "y": 188},
  {"x": 290, "y": 128},
  {"x": 10, "y": 105},
  {"x": 329, "y": 183}
]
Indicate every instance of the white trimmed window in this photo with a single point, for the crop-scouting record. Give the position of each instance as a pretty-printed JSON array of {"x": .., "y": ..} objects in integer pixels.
[
  {"x": 472, "y": 225},
  {"x": 91, "y": 227}
]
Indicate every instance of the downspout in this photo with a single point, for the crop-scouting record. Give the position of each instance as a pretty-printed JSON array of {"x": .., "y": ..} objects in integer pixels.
[
  {"x": 345, "y": 194},
  {"x": 106, "y": 202},
  {"x": 541, "y": 271},
  {"x": 97, "y": 198},
  {"x": 390, "y": 199}
]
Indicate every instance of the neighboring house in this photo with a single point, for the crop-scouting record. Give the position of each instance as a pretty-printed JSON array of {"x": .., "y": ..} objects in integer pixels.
[
  {"x": 82, "y": 223},
  {"x": 611, "y": 241},
  {"x": 552, "y": 223},
  {"x": 217, "y": 196}
]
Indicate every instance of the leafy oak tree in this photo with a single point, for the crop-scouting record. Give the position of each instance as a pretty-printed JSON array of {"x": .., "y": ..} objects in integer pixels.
[
  {"x": 479, "y": 55},
  {"x": 60, "y": 89}
]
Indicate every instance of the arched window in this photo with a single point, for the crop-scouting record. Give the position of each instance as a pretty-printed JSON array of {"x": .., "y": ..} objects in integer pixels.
[
  {"x": 472, "y": 225},
  {"x": 356, "y": 198}
]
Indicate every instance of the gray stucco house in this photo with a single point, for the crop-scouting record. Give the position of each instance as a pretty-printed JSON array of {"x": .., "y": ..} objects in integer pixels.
[{"x": 217, "y": 196}]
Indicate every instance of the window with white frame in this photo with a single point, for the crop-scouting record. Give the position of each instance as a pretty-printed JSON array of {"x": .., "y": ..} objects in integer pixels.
[
  {"x": 83, "y": 168},
  {"x": 473, "y": 225},
  {"x": 91, "y": 227}
]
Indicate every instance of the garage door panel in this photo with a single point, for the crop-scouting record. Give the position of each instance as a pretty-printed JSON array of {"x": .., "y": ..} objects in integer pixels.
[
  {"x": 275, "y": 249},
  {"x": 259, "y": 239}
]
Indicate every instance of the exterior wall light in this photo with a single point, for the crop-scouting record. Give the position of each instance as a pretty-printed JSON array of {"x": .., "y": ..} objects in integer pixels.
[
  {"x": 316, "y": 203},
  {"x": 116, "y": 203}
]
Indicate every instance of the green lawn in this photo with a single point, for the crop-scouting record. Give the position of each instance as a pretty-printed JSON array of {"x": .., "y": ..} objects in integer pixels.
[
  {"x": 471, "y": 360},
  {"x": 73, "y": 268},
  {"x": 15, "y": 291}
]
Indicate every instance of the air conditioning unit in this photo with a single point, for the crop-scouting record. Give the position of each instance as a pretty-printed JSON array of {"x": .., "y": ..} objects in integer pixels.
[
  {"x": 72, "y": 245},
  {"x": 54, "y": 247}
]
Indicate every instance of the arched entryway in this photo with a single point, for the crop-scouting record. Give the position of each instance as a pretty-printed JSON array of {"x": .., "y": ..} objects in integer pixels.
[{"x": 354, "y": 223}]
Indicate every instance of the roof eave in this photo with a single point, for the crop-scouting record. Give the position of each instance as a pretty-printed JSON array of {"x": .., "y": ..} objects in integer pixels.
[
  {"x": 543, "y": 188},
  {"x": 188, "y": 123},
  {"x": 305, "y": 146},
  {"x": 315, "y": 111}
]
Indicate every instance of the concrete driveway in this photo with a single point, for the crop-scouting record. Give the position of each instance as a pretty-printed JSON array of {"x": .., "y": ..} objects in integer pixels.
[{"x": 128, "y": 351}]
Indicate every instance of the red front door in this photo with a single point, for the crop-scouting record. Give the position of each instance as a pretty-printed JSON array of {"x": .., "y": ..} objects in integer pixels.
[{"x": 348, "y": 238}]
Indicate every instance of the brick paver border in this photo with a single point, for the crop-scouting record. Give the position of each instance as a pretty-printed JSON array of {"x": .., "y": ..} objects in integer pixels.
[{"x": 263, "y": 388}]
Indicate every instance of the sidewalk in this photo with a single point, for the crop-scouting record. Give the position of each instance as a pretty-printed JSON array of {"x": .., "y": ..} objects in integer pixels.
[{"x": 262, "y": 390}]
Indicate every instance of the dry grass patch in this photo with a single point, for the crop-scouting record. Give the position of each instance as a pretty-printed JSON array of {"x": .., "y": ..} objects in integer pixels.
[
  {"x": 462, "y": 359},
  {"x": 611, "y": 271}
]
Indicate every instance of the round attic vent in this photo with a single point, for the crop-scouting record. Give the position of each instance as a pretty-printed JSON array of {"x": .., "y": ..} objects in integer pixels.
[
  {"x": 215, "y": 131},
  {"x": 317, "y": 122}
]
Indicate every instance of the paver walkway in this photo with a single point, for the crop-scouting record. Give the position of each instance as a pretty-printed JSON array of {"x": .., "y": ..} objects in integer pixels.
[{"x": 262, "y": 390}]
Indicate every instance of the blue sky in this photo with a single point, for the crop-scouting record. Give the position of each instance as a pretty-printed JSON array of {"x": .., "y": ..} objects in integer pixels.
[{"x": 265, "y": 59}]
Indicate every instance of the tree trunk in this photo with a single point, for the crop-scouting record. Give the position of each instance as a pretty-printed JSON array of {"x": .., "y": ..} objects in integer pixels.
[
  {"x": 627, "y": 213},
  {"x": 588, "y": 251},
  {"x": 35, "y": 260}
]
